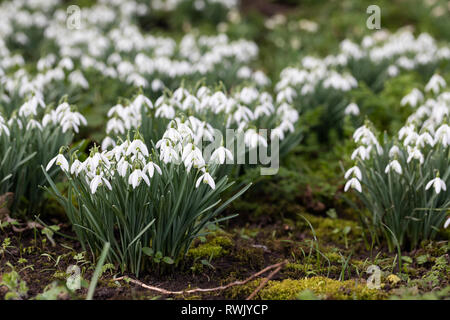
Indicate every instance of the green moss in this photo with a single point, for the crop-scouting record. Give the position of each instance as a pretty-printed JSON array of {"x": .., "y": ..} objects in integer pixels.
[
  {"x": 336, "y": 230},
  {"x": 321, "y": 287},
  {"x": 439, "y": 271},
  {"x": 215, "y": 248},
  {"x": 250, "y": 257}
]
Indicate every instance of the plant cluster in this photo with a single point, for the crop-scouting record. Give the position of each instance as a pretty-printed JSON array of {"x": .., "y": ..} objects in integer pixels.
[
  {"x": 29, "y": 138},
  {"x": 143, "y": 202},
  {"x": 403, "y": 180}
]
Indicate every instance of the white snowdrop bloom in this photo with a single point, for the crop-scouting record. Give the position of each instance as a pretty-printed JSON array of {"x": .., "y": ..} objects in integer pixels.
[
  {"x": 392, "y": 71},
  {"x": 411, "y": 138},
  {"x": 137, "y": 146},
  {"x": 438, "y": 185},
  {"x": 72, "y": 120},
  {"x": 165, "y": 111},
  {"x": 115, "y": 125},
  {"x": 243, "y": 114},
  {"x": 413, "y": 98},
  {"x": 98, "y": 181},
  {"x": 157, "y": 85},
  {"x": 252, "y": 139},
  {"x": 66, "y": 63},
  {"x": 361, "y": 152},
  {"x": 167, "y": 152},
  {"x": 394, "y": 151},
  {"x": 76, "y": 167},
  {"x": 447, "y": 223},
  {"x": 355, "y": 171},
  {"x": 206, "y": 178},
  {"x": 136, "y": 177},
  {"x": 33, "y": 124},
  {"x": 260, "y": 78},
  {"x": 354, "y": 184},
  {"x": 77, "y": 78},
  {"x": 151, "y": 167},
  {"x": 393, "y": 165},
  {"x": 435, "y": 84},
  {"x": 406, "y": 130},
  {"x": 28, "y": 109},
  {"x": 442, "y": 135},
  {"x": 364, "y": 135},
  {"x": 277, "y": 133},
  {"x": 122, "y": 167},
  {"x": 352, "y": 109},
  {"x": 415, "y": 153},
  {"x": 142, "y": 101},
  {"x": 244, "y": 72},
  {"x": 287, "y": 94},
  {"x": 60, "y": 161},
  {"x": 425, "y": 138},
  {"x": 3, "y": 127},
  {"x": 220, "y": 155}
]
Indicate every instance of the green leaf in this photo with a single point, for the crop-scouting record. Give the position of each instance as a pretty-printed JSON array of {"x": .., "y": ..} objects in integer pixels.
[
  {"x": 148, "y": 251},
  {"x": 168, "y": 260}
]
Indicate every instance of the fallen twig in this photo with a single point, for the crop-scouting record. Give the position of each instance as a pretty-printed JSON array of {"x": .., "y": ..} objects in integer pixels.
[
  {"x": 264, "y": 282},
  {"x": 277, "y": 268}
]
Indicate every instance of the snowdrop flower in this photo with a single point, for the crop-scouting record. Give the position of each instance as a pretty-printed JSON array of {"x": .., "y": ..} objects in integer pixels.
[
  {"x": 206, "y": 178},
  {"x": 393, "y": 165},
  {"x": 3, "y": 127},
  {"x": 252, "y": 139},
  {"x": 72, "y": 120},
  {"x": 437, "y": 183},
  {"x": 98, "y": 181},
  {"x": 150, "y": 167},
  {"x": 413, "y": 98},
  {"x": 447, "y": 223},
  {"x": 33, "y": 124},
  {"x": 122, "y": 167},
  {"x": 220, "y": 155},
  {"x": 415, "y": 153},
  {"x": 355, "y": 171},
  {"x": 352, "y": 109},
  {"x": 115, "y": 125},
  {"x": 362, "y": 152},
  {"x": 136, "y": 177},
  {"x": 411, "y": 138},
  {"x": 142, "y": 100},
  {"x": 165, "y": 111},
  {"x": 425, "y": 138},
  {"x": 137, "y": 146},
  {"x": 60, "y": 161},
  {"x": 107, "y": 142},
  {"x": 354, "y": 184},
  {"x": 394, "y": 151},
  {"x": 435, "y": 84},
  {"x": 442, "y": 135},
  {"x": 76, "y": 167},
  {"x": 365, "y": 135}
]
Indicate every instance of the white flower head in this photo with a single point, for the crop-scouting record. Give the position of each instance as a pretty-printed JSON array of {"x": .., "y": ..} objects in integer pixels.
[
  {"x": 393, "y": 165},
  {"x": 354, "y": 184},
  {"x": 206, "y": 178},
  {"x": 60, "y": 161},
  {"x": 438, "y": 185}
]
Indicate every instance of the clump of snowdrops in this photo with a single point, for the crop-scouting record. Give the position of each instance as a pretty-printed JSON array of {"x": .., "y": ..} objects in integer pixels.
[
  {"x": 325, "y": 85},
  {"x": 28, "y": 139},
  {"x": 150, "y": 204},
  {"x": 403, "y": 181},
  {"x": 246, "y": 110}
]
